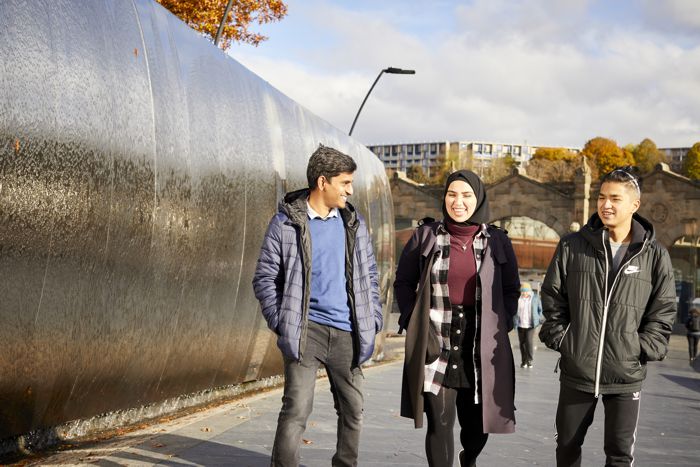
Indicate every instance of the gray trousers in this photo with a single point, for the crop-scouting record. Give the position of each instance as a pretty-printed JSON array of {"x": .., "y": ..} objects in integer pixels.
[{"x": 333, "y": 349}]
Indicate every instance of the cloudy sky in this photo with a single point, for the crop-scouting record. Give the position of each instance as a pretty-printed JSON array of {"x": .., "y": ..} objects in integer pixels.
[{"x": 541, "y": 72}]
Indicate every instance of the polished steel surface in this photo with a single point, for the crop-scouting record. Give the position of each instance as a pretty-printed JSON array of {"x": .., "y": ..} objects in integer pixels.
[{"x": 139, "y": 166}]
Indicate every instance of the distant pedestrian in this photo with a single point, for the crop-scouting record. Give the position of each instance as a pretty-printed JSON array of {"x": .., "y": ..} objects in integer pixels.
[
  {"x": 317, "y": 283},
  {"x": 457, "y": 289},
  {"x": 692, "y": 324},
  {"x": 526, "y": 321},
  {"x": 609, "y": 301}
]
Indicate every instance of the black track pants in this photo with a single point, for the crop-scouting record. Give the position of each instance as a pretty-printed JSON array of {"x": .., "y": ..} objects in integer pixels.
[{"x": 575, "y": 415}]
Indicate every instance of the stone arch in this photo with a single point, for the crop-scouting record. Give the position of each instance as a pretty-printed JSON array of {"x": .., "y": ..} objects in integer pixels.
[
  {"x": 520, "y": 195},
  {"x": 672, "y": 203}
]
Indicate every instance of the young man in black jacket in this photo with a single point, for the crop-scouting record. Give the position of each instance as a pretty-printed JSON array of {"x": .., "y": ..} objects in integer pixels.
[{"x": 609, "y": 302}]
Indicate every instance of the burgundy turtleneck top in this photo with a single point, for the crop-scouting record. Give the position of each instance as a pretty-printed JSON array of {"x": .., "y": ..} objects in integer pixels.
[{"x": 461, "y": 277}]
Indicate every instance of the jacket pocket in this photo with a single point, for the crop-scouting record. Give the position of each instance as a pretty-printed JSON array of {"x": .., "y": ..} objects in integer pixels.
[
  {"x": 562, "y": 341},
  {"x": 432, "y": 351}
]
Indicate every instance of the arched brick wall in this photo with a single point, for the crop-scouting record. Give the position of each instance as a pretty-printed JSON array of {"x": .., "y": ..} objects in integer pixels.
[{"x": 669, "y": 200}]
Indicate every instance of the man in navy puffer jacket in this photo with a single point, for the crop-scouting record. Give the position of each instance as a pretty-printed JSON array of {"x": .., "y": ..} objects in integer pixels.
[{"x": 317, "y": 283}]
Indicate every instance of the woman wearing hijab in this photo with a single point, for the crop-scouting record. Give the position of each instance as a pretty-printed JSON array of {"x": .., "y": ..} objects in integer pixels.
[{"x": 457, "y": 288}]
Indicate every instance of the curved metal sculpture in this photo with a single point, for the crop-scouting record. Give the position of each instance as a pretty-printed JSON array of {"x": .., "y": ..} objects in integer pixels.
[{"x": 139, "y": 167}]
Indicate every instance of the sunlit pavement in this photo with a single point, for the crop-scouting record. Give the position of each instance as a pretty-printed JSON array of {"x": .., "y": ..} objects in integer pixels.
[{"x": 241, "y": 433}]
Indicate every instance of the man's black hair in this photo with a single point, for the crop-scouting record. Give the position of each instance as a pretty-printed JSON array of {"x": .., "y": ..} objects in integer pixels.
[
  {"x": 328, "y": 162},
  {"x": 625, "y": 175}
]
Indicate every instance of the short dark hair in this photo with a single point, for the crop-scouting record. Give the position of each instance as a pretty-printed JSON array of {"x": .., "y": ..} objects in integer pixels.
[
  {"x": 625, "y": 175},
  {"x": 328, "y": 162}
]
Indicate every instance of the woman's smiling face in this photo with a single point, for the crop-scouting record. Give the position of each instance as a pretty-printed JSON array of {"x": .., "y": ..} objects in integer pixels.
[{"x": 460, "y": 201}]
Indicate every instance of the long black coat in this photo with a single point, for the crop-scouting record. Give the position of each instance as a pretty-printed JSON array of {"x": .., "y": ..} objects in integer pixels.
[{"x": 500, "y": 286}]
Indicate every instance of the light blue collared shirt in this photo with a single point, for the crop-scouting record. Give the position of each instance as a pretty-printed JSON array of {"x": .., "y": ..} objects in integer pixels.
[{"x": 313, "y": 214}]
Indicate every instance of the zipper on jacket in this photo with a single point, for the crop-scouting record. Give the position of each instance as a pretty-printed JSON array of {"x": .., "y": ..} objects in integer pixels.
[
  {"x": 606, "y": 305},
  {"x": 305, "y": 304}
]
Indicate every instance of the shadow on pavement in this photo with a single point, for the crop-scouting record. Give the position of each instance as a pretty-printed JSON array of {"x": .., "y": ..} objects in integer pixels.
[
  {"x": 164, "y": 449},
  {"x": 689, "y": 383}
]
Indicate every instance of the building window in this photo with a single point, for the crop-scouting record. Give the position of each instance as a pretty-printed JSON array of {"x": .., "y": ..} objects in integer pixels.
[
  {"x": 409, "y": 149},
  {"x": 477, "y": 148},
  {"x": 433, "y": 148},
  {"x": 516, "y": 150},
  {"x": 487, "y": 148},
  {"x": 507, "y": 149}
]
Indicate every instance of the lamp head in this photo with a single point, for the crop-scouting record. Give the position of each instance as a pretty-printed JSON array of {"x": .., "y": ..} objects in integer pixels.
[{"x": 399, "y": 71}]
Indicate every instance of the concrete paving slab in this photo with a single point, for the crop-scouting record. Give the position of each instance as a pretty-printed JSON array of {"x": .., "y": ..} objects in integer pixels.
[{"x": 241, "y": 433}]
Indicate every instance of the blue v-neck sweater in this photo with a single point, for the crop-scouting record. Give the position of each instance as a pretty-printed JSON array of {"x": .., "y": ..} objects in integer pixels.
[{"x": 329, "y": 296}]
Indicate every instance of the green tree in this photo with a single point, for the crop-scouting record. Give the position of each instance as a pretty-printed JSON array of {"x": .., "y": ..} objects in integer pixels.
[
  {"x": 205, "y": 16},
  {"x": 691, "y": 164},
  {"x": 646, "y": 156},
  {"x": 606, "y": 155}
]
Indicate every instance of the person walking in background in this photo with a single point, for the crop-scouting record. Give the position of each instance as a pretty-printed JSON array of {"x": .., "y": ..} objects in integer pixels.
[
  {"x": 526, "y": 321},
  {"x": 457, "y": 290},
  {"x": 692, "y": 324},
  {"x": 609, "y": 300},
  {"x": 318, "y": 286}
]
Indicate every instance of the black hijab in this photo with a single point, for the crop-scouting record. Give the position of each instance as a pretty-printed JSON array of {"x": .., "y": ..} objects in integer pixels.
[{"x": 481, "y": 213}]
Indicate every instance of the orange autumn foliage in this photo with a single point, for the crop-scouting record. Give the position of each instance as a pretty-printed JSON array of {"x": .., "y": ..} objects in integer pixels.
[{"x": 205, "y": 16}]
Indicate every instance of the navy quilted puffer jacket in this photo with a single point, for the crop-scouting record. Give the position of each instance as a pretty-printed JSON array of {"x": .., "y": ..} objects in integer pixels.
[{"x": 282, "y": 280}]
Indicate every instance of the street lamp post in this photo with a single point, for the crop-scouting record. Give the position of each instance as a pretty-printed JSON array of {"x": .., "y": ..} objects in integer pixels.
[
  {"x": 223, "y": 22},
  {"x": 391, "y": 70}
]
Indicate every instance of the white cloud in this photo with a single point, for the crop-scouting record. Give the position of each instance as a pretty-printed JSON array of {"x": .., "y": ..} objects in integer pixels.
[{"x": 503, "y": 70}]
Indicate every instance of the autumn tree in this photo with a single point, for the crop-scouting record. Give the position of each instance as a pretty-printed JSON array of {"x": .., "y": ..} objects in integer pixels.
[
  {"x": 417, "y": 174},
  {"x": 499, "y": 169},
  {"x": 606, "y": 155},
  {"x": 646, "y": 156},
  {"x": 444, "y": 166},
  {"x": 548, "y": 170},
  {"x": 205, "y": 16},
  {"x": 691, "y": 164},
  {"x": 553, "y": 154}
]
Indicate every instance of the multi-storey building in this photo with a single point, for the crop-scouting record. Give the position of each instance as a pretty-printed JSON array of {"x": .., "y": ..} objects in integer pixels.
[
  {"x": 401, "y": 156},
  {"x": 476, "y": 155},
  {"x": 675, "y": 157}
]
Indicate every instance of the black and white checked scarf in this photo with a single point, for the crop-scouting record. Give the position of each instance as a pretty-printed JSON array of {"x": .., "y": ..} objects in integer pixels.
[{"x": 441, "y": 310}]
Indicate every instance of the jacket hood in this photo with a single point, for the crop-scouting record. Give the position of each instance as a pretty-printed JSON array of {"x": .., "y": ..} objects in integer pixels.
[
  {"x": 294, "y": 207},
  {"x": 642, "y": 230}
]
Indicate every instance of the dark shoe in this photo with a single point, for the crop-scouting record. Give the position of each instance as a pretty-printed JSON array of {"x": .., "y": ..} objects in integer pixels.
[{"x": 523, "y": 365}]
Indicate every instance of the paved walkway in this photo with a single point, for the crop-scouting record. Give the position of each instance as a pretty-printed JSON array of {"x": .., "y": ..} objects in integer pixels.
[{"x": 241, "y": 433}]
